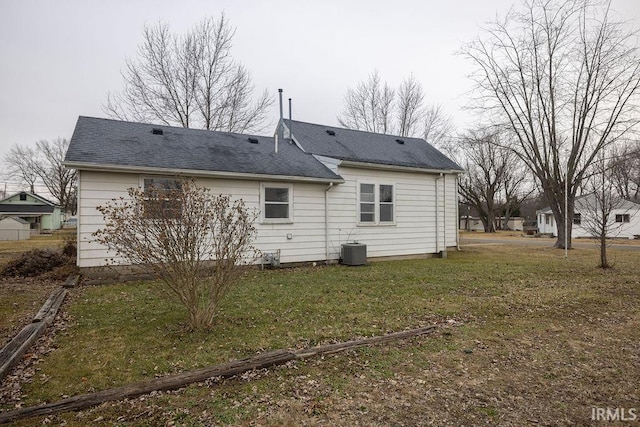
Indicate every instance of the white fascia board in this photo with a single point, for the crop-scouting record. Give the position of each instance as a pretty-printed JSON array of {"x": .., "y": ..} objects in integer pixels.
[
  {"x": 198, "y": 173},
  {"x": 365, "y": 165}
]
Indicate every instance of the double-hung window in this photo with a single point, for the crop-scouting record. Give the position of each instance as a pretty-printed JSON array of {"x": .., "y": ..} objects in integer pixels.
[
  {"x": 162, "y": 198},
  {"x": 577, "y": 218},
  {"x": 376, "y": 204},
  {"x": 622, "y": 218},
  {"x": 276, "y": 202}
]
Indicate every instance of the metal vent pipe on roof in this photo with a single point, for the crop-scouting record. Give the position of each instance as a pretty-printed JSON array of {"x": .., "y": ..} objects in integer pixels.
[
  {"x": 290, "y": 124},
  {"x": 280, "y": 134}
]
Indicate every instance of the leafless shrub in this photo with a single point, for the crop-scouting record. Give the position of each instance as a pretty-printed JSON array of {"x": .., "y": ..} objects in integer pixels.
[{"x": 193, "y": 241}]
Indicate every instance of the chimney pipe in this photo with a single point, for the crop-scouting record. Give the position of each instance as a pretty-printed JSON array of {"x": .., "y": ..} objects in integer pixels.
[
  {"x": 281, "y": 124},
  {"x": 290, "y": 124}
]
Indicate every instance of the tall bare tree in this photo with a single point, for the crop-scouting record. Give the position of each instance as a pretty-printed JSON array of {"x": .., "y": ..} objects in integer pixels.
[
  {"x": 564, "y": 78},
  {"x": 189, "y": 80},
  {"x": 369, "y": 106},
  {"x": 410, "y": 110},
  {"x": 625, "y": 170},
  {"x": 59, "y": 180},
  {"x": 438, "y": 127},
  {"x": 375, "y": 106},
  {"x": 20, "y": 164},
  {"x": 44, "y": 163},
  {"x": 489, "y": 169}
]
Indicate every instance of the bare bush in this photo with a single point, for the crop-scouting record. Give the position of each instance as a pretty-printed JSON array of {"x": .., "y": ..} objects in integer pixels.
[{"x": 194, "y": 242}]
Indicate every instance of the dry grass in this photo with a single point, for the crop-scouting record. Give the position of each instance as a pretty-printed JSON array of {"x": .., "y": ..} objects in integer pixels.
[{"x": 542, "y": 340}]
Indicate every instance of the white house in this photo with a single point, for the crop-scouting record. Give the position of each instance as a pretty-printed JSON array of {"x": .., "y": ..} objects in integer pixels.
[
  {"x": 42, "y": 215},
  {"x": 316, "y": 187},
  {"x": 624, "y": 221}
]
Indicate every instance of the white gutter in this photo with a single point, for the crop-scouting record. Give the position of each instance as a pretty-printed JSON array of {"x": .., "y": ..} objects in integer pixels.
[
  {"x": 365, "y": 165},
  {"x": 196, "y": 173},
  {"x": 326, "y": 222}
]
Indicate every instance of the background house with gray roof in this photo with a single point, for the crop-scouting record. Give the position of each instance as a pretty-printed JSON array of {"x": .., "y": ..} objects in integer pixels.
[
  {"x": 315, "y": 187},
  {"x": 42, "y": 215}
]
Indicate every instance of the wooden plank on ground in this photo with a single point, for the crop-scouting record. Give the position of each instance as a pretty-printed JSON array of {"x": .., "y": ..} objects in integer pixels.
[
  {"x": 18, "y": 346},
  {"x": 175, "y": 381}
]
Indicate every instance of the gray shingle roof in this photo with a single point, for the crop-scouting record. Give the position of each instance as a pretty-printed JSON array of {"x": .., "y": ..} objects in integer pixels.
[
  {"x": 104, "y": 142},
  {"x": 25, "y": 209},
  {"x": 367, "y": 147}
]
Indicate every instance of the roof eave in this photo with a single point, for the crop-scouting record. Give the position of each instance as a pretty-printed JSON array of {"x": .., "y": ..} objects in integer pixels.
[
  {"x": 197, "y": 173},
  {"x": 366, "y": 165}
]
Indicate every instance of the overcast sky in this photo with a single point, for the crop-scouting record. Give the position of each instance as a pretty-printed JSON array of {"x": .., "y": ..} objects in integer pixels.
[{"x": 59, "y": 59}]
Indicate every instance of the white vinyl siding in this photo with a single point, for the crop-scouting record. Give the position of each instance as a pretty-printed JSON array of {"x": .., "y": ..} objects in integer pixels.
[
  {"x": 413, "y": 230},
  {"x": 299, "y": 241}
]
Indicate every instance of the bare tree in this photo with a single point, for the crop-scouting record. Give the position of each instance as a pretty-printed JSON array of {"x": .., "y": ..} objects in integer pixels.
[
  {"x": 172, "y": 230},
  {"x": 44, "y": 163},
  {"x": 20, "y": 164},
  {"x": 438, "y": 127},
  {"x": 374, "y": 106},
  {"x": 564, "y": 78},
  {"x": 59, "y": 180},
  {"x": 410, "y": 107},
  {"x": 625, "y": 170},
  {"x": 189, "y": 80},
  {"x": 369, "y": 106},
  {"x": 598, "y": 208},
  {"x": 488, "y": 167}
]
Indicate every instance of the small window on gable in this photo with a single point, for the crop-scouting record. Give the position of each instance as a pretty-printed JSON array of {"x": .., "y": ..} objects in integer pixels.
[
  {"x": 277, "y": 201},
  {"x": 23, "y": 197},
  {"x": 163, "y": 198}
]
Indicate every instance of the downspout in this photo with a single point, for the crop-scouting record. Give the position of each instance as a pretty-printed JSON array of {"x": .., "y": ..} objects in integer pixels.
[
  {"x": 458, "y": 214},
  {"x": 326, "y": 222},
  {"x": 438, "y": 213}
]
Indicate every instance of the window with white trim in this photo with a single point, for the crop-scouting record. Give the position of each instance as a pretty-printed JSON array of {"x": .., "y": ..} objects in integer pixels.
[
  {"x": 162, "y": 198},
  {"x": 276, "y": 202},
  {"x": 376, "y": 203},
  {"x": 623, "y": 218}
]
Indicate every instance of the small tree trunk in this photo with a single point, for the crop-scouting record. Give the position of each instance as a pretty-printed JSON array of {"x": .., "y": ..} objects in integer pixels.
[{"x": 603, "y": 252}]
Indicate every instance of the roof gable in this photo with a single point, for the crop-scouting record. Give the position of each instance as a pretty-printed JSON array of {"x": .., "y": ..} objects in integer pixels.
[
  {"x": 104, "y": 142},
  {"x": 30, "y": 199},
  {"x": 368, "y": 147}
]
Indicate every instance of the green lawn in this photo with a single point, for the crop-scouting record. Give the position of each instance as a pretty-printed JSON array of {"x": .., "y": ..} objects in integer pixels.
[{"x": 542, "y": 340}]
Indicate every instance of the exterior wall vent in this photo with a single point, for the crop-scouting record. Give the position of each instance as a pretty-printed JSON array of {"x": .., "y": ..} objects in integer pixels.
[
  {"x": 330, "y": 132},
  {"x": 400, "y": 141},
  {"x": 253, "y": 140},
  {"x": 354, "y": 254},
  {"x": 157, "y": 131}
]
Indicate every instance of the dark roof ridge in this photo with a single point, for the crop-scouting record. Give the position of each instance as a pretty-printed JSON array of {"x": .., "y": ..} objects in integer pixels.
[
  {"x": 178, "y": 128},
  {"x": 390, "y": 135}
]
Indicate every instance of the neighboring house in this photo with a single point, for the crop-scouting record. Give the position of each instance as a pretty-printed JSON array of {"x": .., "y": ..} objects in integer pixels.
[
  {"x": 624, "y": 220},
  {"x": 42, "y": 214},
  {"x": 314, "y": 191},
  {"x": 13, "y": 228}
]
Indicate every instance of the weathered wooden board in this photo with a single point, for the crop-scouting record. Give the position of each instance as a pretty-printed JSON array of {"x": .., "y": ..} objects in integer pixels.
[{"x": 172, "y": 382}]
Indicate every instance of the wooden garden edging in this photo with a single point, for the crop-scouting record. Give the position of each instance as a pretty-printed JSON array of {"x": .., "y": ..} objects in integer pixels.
[
  {"x": 18, "y": 346},
  {"x": 175, "y": 381}
]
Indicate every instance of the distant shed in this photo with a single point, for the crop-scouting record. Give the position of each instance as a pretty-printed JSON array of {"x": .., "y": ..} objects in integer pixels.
[{"x": 13, "y": 228}]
